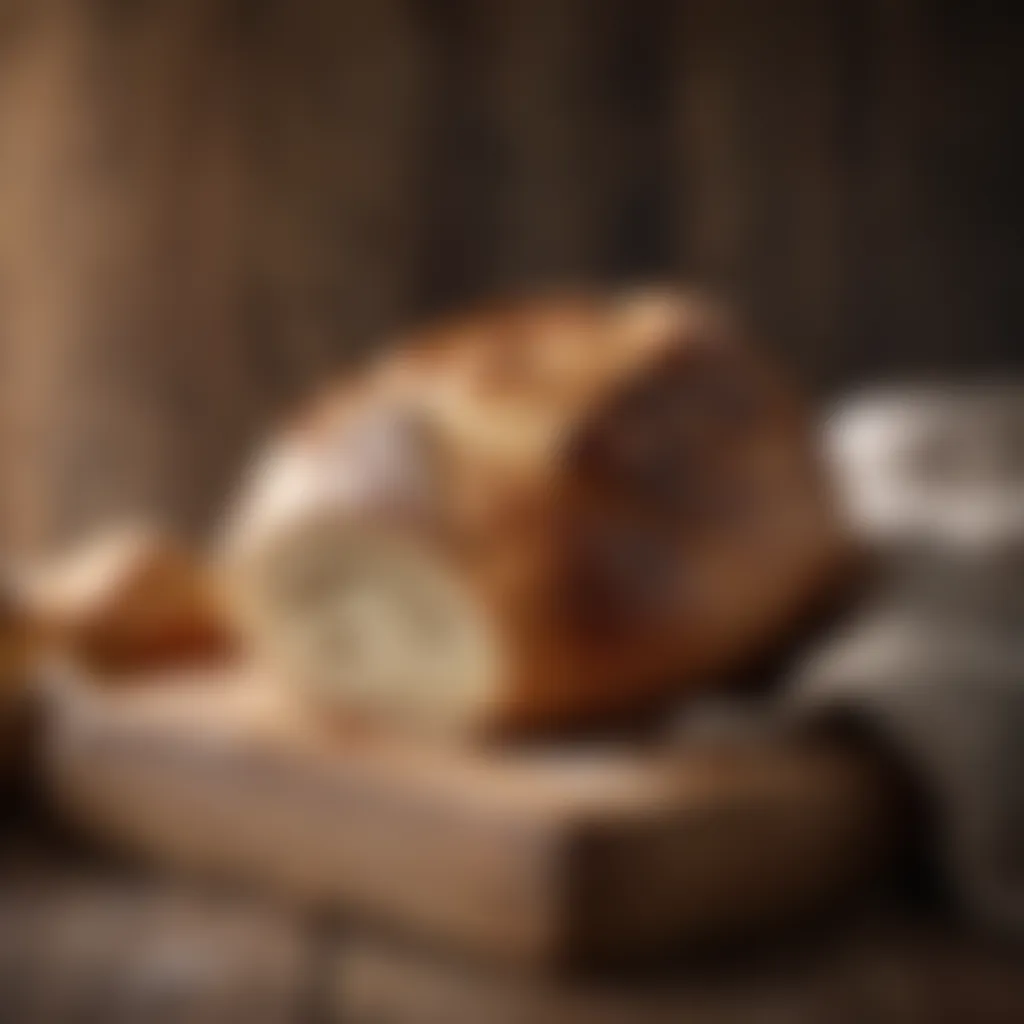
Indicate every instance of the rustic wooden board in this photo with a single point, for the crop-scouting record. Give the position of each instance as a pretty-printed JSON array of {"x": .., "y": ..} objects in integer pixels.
[{"x": 540, "y": 856}]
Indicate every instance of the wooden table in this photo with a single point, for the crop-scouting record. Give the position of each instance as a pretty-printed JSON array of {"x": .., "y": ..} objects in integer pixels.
[{"x": 85, "y": 939}]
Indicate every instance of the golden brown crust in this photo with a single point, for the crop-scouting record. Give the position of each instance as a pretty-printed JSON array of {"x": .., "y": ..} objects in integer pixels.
[
  {"x": 630, "y": 492},
  {"x": 130, "y": 599}
]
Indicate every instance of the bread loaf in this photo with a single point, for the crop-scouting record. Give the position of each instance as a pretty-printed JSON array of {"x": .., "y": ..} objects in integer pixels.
[{"x": 560, "y": 510}]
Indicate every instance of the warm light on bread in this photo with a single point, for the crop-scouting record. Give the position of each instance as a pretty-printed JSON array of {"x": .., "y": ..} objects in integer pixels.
[{"x": 560, "y": 510}]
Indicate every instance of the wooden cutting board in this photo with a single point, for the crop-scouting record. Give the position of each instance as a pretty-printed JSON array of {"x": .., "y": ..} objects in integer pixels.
[{"x": 544, "y": 856}]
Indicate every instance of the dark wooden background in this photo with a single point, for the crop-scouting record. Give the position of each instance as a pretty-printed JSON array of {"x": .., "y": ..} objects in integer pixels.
[{"x": 206, "y": 204}]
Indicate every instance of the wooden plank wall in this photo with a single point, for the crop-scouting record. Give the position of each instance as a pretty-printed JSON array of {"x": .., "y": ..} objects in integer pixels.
[{"x": 205, "y": 205}]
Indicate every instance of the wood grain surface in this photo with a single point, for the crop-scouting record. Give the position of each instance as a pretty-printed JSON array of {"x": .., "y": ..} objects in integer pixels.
[
  {"x": 205, "y": 205},
  {"x": 84, "y": 940},
  {"x": 535, "y": 856},
  {"x": 889, "y": 971}
]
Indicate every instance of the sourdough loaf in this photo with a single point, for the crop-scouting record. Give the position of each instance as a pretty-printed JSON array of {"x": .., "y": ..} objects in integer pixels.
[{"x": 535, "y": 515}]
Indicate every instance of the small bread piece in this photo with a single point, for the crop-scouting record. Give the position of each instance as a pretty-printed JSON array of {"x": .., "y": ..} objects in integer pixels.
[
  {"x": 19, "y": 640},
  {"x": 16, "y": 638},
  {"x": 129, "y": 599},
  {"x": 567, "y": 509}
]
